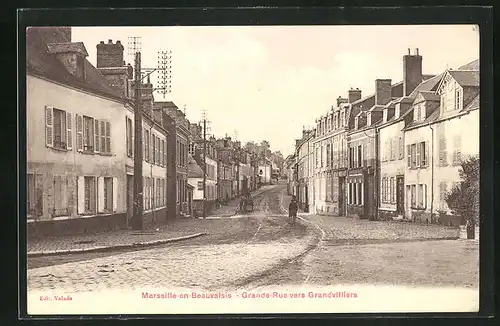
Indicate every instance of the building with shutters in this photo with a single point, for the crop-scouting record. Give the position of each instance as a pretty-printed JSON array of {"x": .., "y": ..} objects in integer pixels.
[
  {"x": 182, "y": 144},
  {"x": 303, "y": 153},
  {"x": 397, "y": 114},
  {"x": 443, "y": 131},
  {"x": 78, "y": 127}
]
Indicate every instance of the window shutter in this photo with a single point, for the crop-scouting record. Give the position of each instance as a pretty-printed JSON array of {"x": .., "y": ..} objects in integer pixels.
[
  {"x": 151, "y": 148},
  {"x": 96, "y": 136},
  {"x": 144, "y": 138},
  {"x": 100, "y": 194},
  {"x": 49, "y": 126},
  {"x": 408, "y": 153},
  {"x": 102, "y": 138},
  {"x": 108, "y": 137},
  {"x": 417, "y": 158},
  {"x": 81, "y": 195},
  {"x": 69, "y": 131},
  {"x": 115, "y": 194},
  {"x": 79, "y": 132},
  {"x": 427, "y": 158}
]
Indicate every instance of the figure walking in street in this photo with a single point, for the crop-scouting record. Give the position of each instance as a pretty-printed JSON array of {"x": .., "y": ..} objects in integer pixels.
[
  {"x": 292, "y": 210},
  {"x": 242, "y": 204}
]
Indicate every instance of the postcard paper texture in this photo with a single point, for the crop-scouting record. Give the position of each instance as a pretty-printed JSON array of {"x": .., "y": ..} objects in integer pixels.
[{"x": 276, "y": 169}]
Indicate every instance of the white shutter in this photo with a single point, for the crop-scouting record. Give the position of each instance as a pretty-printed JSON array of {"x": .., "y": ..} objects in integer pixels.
[
  {"x": 108, "y": 137},
  {"x": 79, "y": 132},
  {"x": 417, "y": 159},
  {"x": 49, "y": 126},
  {"x": 81, "y": 195},
  {"x": 96, "y": 136},
  {"x": 115, "y": 194},
  {"x": 69, "y": 129},
  {"x": 100, "y": 194}
]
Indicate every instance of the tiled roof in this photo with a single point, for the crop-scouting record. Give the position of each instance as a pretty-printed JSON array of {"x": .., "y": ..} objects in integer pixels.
[
  {"x": 67, "y": 47},
  {"x": 474, "y": 65},
  {"x": 40, "y": 62},
  {"x": 427, "y": 85},
  {"x": 466, "y": 78},
  {"x": 429, "y": 96},
  {"x": 474, "y": 104}
]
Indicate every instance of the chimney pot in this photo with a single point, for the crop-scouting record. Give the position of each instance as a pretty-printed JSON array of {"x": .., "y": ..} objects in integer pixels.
[
  {"x": 409, "y": 51},
  {"x": 118, "y": 42},
  {"x": 102, "y": 42},
  {"x": 110, "y": 41},
  {"x": 417, "y": 51}
]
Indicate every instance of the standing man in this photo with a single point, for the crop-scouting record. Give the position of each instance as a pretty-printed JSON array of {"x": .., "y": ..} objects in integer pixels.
[{"x": 292, "y": 209}]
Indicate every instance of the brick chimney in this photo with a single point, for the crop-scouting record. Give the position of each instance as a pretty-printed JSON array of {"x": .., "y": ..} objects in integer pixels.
[
  {"x": 383, "y": 91},
  {"x": 110, "y": 63},
  {"x": 109, "y": 55},
  {"x": 412, "y": 71},
  {"x": 354, "y": 95}
]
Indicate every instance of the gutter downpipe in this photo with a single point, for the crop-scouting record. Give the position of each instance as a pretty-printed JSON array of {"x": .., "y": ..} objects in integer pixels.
[
  {"x": 432, "y": 172},
  {"x": 377, "y": 174}
]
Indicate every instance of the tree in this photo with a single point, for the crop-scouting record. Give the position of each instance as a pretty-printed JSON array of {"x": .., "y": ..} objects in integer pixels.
[{"x": 463, "y": 199}]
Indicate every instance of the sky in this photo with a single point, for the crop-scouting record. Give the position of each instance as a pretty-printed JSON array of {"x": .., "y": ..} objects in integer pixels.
[{"x": 266, "y": 82}]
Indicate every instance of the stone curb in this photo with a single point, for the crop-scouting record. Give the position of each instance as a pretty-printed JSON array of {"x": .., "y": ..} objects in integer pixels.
[{"x": 111, "y": 248}]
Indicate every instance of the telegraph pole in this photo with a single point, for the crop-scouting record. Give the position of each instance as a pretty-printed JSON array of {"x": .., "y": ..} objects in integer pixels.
[
  {"x": 204, "y": 167},
  {"x": 137, "y": 219}
]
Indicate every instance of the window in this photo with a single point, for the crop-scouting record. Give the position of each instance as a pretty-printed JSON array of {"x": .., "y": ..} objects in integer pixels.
[
  {"x": 416, "y": 113},
  {"x": 401, "y": 148},
  {"x": 413, "y": 155},
  {"x": 200, "y": 185},
  {"x": 321, "y": 159},
  {"x": 328, "y": 155},
  {"x": 394, "y": 148},
  {"x": 413, "y": 196},
  {"x": 158, "y": 193},
  {"x": 90, "y": 195},
  {"x": 420, "y": 196},
  {"x": 60, "y": 131},
  {"x": 360, "y": 155},
  {"x": 457, "y": 153},
  {"x": 423, "y": 154},
  {"x": 35, "y": 195},
  {"x": 393, "y": 190},
  {"x": 146, "y": 144},
  {"x": 442, "y": 145},
  {"x": 458, "y": 99},
  {"x": 105, "y": 136},
  {"x": 129, "y": 132},
  {"x": 88, "y": 133},
  {"x": 164, "y": 153},
  {"x": 60, "y": 196},
  {"x": 153, "y": 142}
]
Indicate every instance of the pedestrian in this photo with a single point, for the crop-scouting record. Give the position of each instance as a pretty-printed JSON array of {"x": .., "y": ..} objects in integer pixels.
[
  {"x": 292, "y": 209},
  {"x": 242, "y": 203}
]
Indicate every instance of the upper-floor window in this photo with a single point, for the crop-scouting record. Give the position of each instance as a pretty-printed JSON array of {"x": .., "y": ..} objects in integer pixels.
[
  {"x": 130, "y": 137},
  {"x": 58, "y": 132},
  {"x": 458, "y": 99},
  {"x": 93, "y": 135}
]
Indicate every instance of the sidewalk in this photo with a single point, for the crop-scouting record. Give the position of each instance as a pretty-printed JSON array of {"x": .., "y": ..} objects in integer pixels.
[
  {"x": 231, "y": 208},
  {"x": 103, "y": 241}
]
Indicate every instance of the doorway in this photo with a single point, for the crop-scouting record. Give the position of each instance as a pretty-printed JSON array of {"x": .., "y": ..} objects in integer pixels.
[
  {"x": 400, "y": 195},
  {"x": 130, "y": 196}
]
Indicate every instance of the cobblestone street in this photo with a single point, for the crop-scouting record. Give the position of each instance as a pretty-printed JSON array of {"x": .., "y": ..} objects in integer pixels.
[{"x": 261, "y": 249}]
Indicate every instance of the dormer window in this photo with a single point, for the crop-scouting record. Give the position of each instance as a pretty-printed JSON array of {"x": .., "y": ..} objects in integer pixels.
[
  {"x": 397, "y": 110},
  {"x": 458, "y": 99}
]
